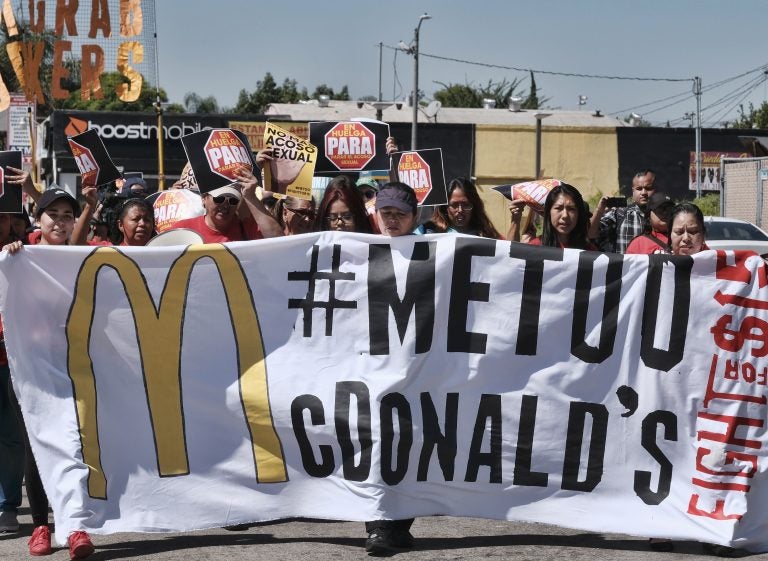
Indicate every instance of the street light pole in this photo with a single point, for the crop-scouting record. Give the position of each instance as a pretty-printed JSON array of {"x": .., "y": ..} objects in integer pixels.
[{"x": 415, "y": 97}]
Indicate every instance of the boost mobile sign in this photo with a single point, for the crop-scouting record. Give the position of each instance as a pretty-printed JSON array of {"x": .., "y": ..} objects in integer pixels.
[{"x": 138, "y": 131}]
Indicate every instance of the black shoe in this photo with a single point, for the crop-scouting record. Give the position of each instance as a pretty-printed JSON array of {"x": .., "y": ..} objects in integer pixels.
[
  {"x": 661, "y": 544},
  {"x": 402, "y": 539},
  {"x": 723, "y": 550},
  {"x": 380, "y": 543}
]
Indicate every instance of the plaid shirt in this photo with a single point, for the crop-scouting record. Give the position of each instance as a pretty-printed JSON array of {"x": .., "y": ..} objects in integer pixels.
[{"x": 619, "y": 226}]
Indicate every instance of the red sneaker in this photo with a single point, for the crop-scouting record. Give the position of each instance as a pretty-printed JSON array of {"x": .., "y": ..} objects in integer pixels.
[
  {"x": 40, "y": 542},
  {"x": 80, "y": 545}
]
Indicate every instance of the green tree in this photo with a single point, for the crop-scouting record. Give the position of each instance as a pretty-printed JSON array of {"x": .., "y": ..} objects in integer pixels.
[
  {"x": 267, "y": 91},
  {"x": 194, "y": 103},
  {"x": 500, "y": 92},
  {"x": 532, "y": 101},
  {"x": 324, "y": 89},
  {"x": 110, "y": 101},
  {"x": 458, "y": 95},
  {"x": 470, "y": 95},
  {"x": 289, "y": 92},
  {"x": 752, "y": 119}
]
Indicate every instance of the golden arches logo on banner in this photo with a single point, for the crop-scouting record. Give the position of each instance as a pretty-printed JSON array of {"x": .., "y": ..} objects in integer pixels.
[{"x": 158, "y": 332}]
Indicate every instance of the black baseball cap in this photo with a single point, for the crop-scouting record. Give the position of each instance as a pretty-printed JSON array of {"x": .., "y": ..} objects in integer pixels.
[
  {"x": 52, "y": 195},
  {"x": 658, "y": 200},
  {"x": 398, "y": 195}
]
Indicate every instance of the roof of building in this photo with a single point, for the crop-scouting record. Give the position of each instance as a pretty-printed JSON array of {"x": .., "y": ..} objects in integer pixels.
[{"x": 349, "y": 110}]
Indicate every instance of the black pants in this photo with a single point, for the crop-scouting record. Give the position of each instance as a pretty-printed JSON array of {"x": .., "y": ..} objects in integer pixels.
[
  {"x": 393, "y": 525},
  {"x": 38, "y": 500}
]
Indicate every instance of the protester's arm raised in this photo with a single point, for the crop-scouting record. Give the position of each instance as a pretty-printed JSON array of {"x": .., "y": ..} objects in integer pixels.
[
  {"x": 80, "y": 233},
  {"x": 20, "y": 177},
  {"x": 266, "y": 222},
  {"x": 515, "y": 213},
  {"x": 594, "y": 223}
]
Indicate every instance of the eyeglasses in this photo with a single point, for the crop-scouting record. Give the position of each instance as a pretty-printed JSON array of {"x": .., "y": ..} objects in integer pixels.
[
  {"x": 345, "y": 217},
  {"x": 368, "y": 194},
  {"x": 458, "y": 206},
  {"x": 303, "y": 212},
  {"x": 221, "y": 198}
]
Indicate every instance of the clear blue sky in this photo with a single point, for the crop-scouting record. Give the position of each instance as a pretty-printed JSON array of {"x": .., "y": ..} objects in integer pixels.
[{"x": 220, "y": 47}]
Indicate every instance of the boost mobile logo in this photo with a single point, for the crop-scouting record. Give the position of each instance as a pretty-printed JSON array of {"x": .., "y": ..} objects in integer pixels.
[{"x": 142, "y": 130}]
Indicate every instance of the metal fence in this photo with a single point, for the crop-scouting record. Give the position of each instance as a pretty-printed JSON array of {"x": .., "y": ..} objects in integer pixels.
[{"x": 745, "y": 181}]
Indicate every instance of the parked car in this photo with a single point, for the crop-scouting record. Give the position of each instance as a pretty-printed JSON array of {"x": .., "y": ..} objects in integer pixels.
[{"x": 732, "y": 233}]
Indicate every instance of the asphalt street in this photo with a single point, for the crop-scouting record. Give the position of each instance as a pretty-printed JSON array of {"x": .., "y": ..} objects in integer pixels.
[{"x": 438, "y": 538}]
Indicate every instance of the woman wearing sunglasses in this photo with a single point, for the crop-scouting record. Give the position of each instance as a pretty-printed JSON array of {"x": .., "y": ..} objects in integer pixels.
[
  {"x": 221, "y": 222},
  {"x": 296, "y": 216}
]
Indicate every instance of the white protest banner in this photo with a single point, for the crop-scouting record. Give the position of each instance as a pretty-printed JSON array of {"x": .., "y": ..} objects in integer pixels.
[{"x": 345, "y": 376}]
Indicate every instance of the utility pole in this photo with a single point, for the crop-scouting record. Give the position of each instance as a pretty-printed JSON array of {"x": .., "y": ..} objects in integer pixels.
[
  {"x": 415, "y": 48},
  {"x": 697, "y": 93}
]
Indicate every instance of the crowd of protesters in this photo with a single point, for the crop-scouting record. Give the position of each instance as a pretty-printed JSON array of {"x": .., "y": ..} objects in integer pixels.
[{"x": 651, "y": 223}]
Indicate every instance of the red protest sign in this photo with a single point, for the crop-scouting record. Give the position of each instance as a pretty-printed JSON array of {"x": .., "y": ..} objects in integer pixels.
[
  {"x": 534, "y": 193},
  {"x": 174, "y": 205},
  {"x": 350, "y": 146},
  {"x": 86, "y": 163},
  {"x": 226, "y": 153},
  {"x": 413, "y": 170}
]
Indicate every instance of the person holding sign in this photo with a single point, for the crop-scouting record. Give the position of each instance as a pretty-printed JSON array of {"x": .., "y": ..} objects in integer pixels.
[
  {"x": 464, "y": 213},
  {"x": 221, "y": 223},
  {"x": 56, "y": 211},
  {"x": 565, "y": 220},
  {"x": 396, "y": 215}
]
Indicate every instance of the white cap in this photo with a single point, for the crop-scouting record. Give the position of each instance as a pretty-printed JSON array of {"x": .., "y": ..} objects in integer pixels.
[{"x": 231, "y": 189}]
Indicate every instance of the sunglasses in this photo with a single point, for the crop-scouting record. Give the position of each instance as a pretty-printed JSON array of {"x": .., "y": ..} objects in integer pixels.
[
  {"x": 221, "y": 198},
  {"x": 303, "y": 212}
]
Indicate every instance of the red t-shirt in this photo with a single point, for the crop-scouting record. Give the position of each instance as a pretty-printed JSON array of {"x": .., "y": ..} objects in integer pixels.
[
  {"x": 239, "y": 230},
  {"x": 643, "y": 245}
]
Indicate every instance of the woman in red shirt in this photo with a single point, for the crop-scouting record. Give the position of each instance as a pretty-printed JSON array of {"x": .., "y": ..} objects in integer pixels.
[{"x": 566, "y": 220}]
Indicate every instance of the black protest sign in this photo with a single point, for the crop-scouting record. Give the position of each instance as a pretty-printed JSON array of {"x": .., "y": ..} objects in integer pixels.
[
  {"x": 92, "y": 159},
  {"x": 10, "y": 195},
  {"x": 216, "y": 155},
  {"x": 423, "y": 171},
  {"x": 349, "y": 145}
]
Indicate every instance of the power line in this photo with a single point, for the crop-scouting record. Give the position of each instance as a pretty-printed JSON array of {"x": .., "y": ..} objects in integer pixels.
[
  {"x": 746, "y": 91},
  {"x": 550, "y": 72},
  {"x": 685, "y": 96},
  {"x": 736, "y": 92},
  {"x": 685, "y": 93}
]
